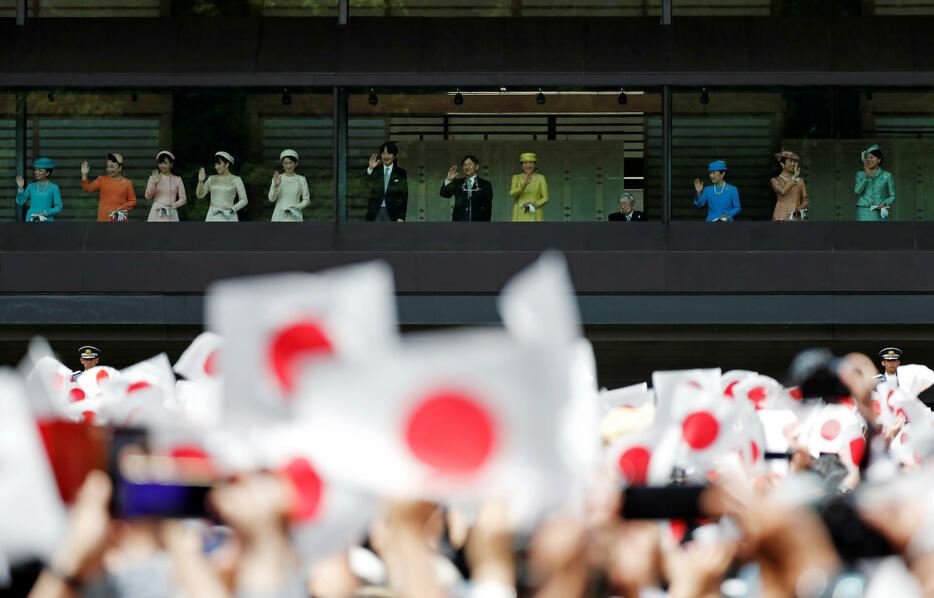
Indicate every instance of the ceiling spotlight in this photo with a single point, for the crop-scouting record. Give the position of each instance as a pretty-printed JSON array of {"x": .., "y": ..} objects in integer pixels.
[
  {"x": 372, "y": 100},
  {"x": 51, "y": 96},
  {"x": 458, "y": 98},
  {"x": 621, "y": 98},
  {"x": 540, "y": 98},
  {"x": 704, "y": 97},
  {"x": 286, "y": 97}
]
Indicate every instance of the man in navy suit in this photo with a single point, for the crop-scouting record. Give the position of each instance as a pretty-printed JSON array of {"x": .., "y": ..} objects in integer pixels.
[
  {"x": 389, "y": 186},
  {"x": 473, "y": 196}
]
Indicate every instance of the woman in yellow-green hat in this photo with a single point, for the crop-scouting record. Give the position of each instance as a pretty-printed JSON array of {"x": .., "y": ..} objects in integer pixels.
[{"x": 529, "y": 191}]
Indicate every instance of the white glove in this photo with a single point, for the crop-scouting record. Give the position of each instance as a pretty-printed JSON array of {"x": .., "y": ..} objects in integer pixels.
[
  {"x": 118, "y": 215},
  {"x": 227, "y": 212},
  {"x": 531, "y": 208},
  {"x": 873, "y": 208},
  {"x": 803, "y": 213},
  {"x": 166, "y": 210},
  {"x": 884, "y": 212},
  {"x": 293, "y": 211},
  {"x": 38, "y": 217}
]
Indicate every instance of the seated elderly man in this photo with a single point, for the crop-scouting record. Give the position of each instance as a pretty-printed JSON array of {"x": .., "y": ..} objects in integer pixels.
[{"x": 626, "y": 212}]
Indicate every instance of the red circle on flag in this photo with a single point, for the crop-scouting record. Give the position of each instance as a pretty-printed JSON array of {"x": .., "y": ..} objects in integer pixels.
[
  {"x": 451, "y": 432},
  {"x": 634, "y": 465},
  {"x": 102, "y": 375},
  {"x": 796, "y": 394},
  {"x": 302, "y": 339},
  {"x": 75, "y": 395},
  {"x": 308, "y": 489},
  {"x": 137, "y": 386},
  {"x": 757, "y": 395},
  {"x": 210, "y": 364},
  {"x": 876, "y": 408},
  {"x": 830, "y": 429},
  {"x": 848, "y": 402},
  {"x": 755, "y": 450},
  {"x": 728, "y": 391},
  {"x": 857, "y": 449},
  {"x": 700, "y": 430}
]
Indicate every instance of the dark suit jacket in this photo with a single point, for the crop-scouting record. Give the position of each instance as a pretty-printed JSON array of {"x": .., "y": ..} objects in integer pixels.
[
  {"x": 480, "y": 205},
  {"x": 397, "y": 194},
  {"x": 637, "y": 216}
]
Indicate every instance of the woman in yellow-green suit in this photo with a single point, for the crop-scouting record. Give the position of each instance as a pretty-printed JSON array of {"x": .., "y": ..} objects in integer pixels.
[{"x": 529, "y": 192}]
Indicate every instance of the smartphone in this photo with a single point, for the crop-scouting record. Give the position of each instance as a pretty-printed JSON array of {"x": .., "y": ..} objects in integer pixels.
[{"x": 146, "y": 485}]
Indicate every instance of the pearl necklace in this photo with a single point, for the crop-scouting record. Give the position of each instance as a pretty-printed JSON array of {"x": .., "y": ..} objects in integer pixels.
[
  {"x": 720, "y": 192},
  {"x": 41, "y": 187}
]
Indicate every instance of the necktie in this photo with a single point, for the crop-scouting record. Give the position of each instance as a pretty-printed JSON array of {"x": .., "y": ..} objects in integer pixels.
[
  {"x": 469, "y": 187},
  {"x": 385, "y": 178}
]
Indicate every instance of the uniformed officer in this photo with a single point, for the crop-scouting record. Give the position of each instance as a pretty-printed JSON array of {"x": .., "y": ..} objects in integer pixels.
[
  {"x": 891, "y": 359},
  {"x": 90, "y": 357}
]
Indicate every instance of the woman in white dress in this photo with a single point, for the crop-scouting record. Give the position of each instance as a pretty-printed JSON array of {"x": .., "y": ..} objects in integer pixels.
[
  {"x": 166, "y": 190},
  {"x": 289, "y": 191},
  {"x": 228, "y": 195}
]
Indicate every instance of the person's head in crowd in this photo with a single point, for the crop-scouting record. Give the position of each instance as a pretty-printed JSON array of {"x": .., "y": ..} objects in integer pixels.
[
  {"x": 626, "y": 203},
  {"x": 42, "y": 169},
  {"x": 470, "y": 165},
  {"x": 388, "y": 152},
  {"x": 114, "y": 164},
  {"x": 289, "y": 160},
  {"x": 89, "y": 355},
  {"x": 717, "y": 171},
  {"x": 165, "y": 160},
  {"x": 891, "y": 359},
  {"x": 788, "y": 160},
  {"x": 223, "y": 162},
  {"x": 872, "y": 157},
  {"x": 529, "y": 162}
]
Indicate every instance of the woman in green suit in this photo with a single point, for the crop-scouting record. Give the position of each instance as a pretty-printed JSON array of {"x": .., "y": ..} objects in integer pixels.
[{"x": 875, "y": 188}]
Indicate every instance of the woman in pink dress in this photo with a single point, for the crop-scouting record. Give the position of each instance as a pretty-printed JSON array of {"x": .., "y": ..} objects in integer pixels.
[{"x": 166, "y": 190}]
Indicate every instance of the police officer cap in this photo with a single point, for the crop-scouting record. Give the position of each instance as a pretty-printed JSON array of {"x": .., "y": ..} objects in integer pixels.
[
  {"x": 89, "y": 352},
  {"x": 890, "y": 353}
]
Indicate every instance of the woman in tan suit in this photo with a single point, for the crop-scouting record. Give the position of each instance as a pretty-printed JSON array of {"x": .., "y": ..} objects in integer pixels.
[{"x": 529, "y": 191}]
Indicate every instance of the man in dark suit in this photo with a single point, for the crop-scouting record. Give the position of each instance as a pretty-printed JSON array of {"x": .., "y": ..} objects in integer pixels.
[
  {"x": 626, "y": 213},
  {"x": 389, "y": 186},
  {"x": 473, "y": 196}
]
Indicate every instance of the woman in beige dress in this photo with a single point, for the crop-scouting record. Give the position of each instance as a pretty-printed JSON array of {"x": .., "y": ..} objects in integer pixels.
[
  {"x": 228, "y": 195},
  {"x": 289, "y": 191},
  {"x": 791, "y": 196}
]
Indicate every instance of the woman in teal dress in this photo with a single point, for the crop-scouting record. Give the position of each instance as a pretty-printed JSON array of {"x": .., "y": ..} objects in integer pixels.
[
  {"x": 43, "y": 196},
  {"x": 875, "y": 188}
]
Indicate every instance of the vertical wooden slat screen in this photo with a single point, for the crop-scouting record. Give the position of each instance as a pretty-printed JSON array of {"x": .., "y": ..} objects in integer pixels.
[{"x": 7, "y": 156}]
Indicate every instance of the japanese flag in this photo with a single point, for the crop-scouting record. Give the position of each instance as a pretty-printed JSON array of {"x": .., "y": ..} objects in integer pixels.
[
  {"x": 90, "y": 381},
  {"x": 632, "y": 396},
  {"x": 275, "y": 325},
  {"x": 731, "y": 378},
  {"x": 47, "y": 380},
  {"x": 838, "y": 430},
  {"x": 325, "y": 514},
  {"x": 142, "y": 394},
  {"x": 643, "y": 457},
  {"x": 539, "y": 303},
  {"x": 201, "y": 360},
  {"x": 665, "y": 383},
  {"x": 200, "y": 403},
  {"x": 445, "y": 415},
  {"x": 33, "y": 518},
  {"x": 913, "y": 379},
  {"x": 760, "y": 391}
]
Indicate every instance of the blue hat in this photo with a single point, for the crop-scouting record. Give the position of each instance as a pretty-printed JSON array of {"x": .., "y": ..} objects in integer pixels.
[
  {"x": 45, "y": 163},
  {"x": 890, "y": 353},
  {"x": 716, "y": 165}
]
